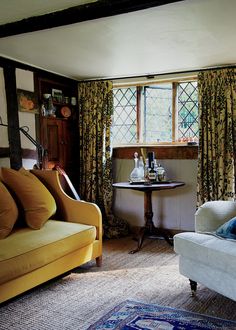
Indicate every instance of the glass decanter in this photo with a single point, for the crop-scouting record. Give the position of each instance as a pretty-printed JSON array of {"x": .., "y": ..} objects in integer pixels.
[{"x": 135, "y": 175}]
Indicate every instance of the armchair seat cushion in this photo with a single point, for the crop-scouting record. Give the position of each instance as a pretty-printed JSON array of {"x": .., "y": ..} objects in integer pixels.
[
  {"x": 26, "y": 250},
  {"x": 205, "y": 249}
]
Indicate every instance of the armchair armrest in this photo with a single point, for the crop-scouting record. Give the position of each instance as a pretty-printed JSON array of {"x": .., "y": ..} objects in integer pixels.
[
  {"x": 213, "y": 214},
  {"x": 71, "y": 209}
]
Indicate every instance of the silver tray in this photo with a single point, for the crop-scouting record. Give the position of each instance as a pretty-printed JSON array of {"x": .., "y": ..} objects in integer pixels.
[{"x": 151, "y": 182}]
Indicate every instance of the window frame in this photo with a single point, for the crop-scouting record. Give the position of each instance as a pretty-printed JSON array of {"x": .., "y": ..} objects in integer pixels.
[{"x": 139, "y": 85}]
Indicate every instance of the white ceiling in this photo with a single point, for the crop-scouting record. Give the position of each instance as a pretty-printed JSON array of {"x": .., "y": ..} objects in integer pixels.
[{"x": 181, "y": 36}]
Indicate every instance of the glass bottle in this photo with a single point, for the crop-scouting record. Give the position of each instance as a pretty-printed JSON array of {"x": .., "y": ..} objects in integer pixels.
[
  {"x": 146, "y": 171},
  {"x": 43, "y": 110},
  {"x": 161, "y": 174},
  {"x": 135, "y": 174},
  {"x": 152, "y": 173},
  {"x": 141, "y": 168},
  {"x": 51, "y": 108}
]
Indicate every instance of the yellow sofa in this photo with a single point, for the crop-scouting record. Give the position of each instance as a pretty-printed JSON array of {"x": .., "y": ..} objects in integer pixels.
[{"x": 72, "y": 237}]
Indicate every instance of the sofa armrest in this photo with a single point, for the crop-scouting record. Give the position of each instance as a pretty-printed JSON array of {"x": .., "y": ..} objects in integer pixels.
[
  {"x": 213, "y": 214},
  {"x": 70, "y": 209}
]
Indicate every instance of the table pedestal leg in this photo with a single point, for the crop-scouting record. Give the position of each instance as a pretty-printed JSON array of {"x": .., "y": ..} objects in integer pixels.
[
  {"x": 148, "y": 214},
  {"x": 149, "y": 226}
]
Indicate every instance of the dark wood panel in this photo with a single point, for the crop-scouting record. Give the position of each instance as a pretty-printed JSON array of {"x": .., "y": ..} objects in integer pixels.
[
  {"x": 56, "y": 137},
  {"x": 26, "y": 153},
  {"x": 29, "y": 154},
  {"x": 4, "y": 152},
  {"x": 53, "y": 146},
  {"x": 161, "y": 152},
  {"x": 12, "y": 117},
  {"x": 77, "y": 14}
]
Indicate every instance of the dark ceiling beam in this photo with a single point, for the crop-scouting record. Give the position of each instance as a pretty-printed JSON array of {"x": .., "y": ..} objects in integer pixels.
[{"x": 89, "y": 11}]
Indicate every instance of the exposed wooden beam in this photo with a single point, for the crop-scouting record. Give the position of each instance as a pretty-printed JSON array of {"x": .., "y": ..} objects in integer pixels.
[
  {"x": 29, "y": 154},
  {"x": 85, "y": 12},
  {"x": 4, "y": 152},
  {"x": 26, "y": 153},
  {"x": 13, "y": 119}
]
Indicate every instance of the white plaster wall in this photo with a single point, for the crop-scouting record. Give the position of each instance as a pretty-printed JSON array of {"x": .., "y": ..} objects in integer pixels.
[
  {"x": 173, "y": 209},
  {"x": 4, "y": 143},
  {"x": 25, "y": 80},
  {"x": 4, "y": 162}
]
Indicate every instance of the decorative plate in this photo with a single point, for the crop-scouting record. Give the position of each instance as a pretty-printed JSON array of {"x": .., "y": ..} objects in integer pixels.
[{"x": 65, "y": 112}]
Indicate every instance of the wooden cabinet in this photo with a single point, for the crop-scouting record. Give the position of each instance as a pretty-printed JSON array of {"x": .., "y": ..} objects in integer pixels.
[
  {"x": 56, "y": 137},
  {"x": 57, "y": 133}
]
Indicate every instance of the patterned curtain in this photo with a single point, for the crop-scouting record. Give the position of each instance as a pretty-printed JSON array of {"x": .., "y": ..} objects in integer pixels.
[
  {"x": 95, "y": 113},
  {"x": 217, "y": 138}
]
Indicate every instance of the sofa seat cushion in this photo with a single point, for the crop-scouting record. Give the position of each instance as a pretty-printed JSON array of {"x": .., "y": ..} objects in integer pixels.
[
  {"x": 206, "y": 249},
  {"x": 27, "y": 249}
]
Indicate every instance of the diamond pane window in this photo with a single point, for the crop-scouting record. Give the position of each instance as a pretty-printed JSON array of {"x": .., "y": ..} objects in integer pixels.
[
  {"x": 124, "y": 128},
  {"x": 165, "y": 112},
  {"x": 187, "y": 111},
  {"x": 158, "y": 113}
]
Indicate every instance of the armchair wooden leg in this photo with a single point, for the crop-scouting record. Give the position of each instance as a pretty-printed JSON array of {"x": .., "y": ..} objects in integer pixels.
[
  {"x": 193, "y": 286},
  {"x": 99, "y": 261}
]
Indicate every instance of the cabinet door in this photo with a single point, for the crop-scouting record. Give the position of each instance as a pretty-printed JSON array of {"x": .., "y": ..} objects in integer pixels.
[
  {"x": 67, "y": 131},
  {"x": 55, "y": 137}
]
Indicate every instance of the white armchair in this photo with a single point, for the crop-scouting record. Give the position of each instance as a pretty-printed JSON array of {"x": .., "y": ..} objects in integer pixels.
[{"x": 205, "y": 258}]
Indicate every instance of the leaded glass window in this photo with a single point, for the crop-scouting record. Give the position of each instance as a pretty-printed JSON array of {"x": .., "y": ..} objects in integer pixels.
[
  {"x": 187, "y": 111},
  {"x": 166, "y": 112},
  {"x": 157, "y": 113},
  {"x": 124, "y": 129}
]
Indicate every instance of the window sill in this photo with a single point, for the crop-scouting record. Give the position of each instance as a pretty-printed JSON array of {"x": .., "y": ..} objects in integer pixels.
[
  {"x": 162, "y": 150},
  {"x": 157, "y": 144}
]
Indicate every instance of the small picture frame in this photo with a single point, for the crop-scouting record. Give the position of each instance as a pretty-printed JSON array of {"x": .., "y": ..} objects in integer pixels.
[
  {"x": 27, "y": 101},
  {"x": 57, "y": 95}
]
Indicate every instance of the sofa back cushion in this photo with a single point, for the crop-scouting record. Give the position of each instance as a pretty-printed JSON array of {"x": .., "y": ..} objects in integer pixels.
[
  {"x": 37, "y": 202},
  {"x": 8, "y": 211}
]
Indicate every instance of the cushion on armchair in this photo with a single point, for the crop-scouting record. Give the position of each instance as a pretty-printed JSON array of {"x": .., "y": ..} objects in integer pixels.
[
  {"x": 228, "y": 229},
  {"x": 38, "y": 203}
]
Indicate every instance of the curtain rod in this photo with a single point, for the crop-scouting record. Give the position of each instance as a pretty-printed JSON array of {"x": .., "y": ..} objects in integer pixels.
[{"x": 152, "y": 76}]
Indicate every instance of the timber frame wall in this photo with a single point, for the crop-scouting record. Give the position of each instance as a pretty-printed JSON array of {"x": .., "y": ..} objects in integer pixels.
[{"x": 14, "y": 152}]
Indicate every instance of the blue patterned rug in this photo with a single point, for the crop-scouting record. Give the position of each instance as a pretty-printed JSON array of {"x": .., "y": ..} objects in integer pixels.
[{"x": 131, "y": 315}]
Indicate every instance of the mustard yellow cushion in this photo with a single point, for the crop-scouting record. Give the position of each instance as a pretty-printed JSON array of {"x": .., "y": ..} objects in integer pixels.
[
  {"x": 8, "y": 212},
  {"x": 37, "y": 202},
  {"x": 26, "y": 249}
]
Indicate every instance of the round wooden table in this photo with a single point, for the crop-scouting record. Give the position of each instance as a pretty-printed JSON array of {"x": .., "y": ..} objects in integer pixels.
[{"x": 147, "y": 189}]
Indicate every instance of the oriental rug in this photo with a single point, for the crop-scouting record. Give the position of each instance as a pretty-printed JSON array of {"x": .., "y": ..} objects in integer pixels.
[{"x": 133, "y": 315}]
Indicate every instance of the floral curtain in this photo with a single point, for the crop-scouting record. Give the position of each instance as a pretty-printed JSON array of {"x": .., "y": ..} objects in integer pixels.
[
  {"x": 95, "y": 113},
  {"x": 217, "y": 138}
]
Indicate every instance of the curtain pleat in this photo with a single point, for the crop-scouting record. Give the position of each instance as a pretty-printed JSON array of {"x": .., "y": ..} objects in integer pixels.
[
  {"x": 217, "y": 125},
  {"x": 95, "y": 184}
]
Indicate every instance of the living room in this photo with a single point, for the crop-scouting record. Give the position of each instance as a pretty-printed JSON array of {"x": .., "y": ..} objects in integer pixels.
[{"x": 177, "y": 43}]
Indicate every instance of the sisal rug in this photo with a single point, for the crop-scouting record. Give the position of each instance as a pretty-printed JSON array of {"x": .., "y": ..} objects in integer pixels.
[
  {"x": 78, "y": 299},
  {"x": 132, "y": 315}
]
